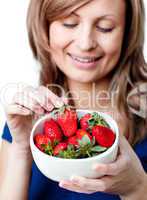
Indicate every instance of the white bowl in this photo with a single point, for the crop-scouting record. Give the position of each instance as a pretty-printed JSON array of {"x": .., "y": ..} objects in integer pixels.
[{"x": 59, "y": 169}]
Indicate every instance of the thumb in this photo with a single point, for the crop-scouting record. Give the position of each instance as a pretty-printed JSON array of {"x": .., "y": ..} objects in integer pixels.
[{"x": 123, "y": 144}]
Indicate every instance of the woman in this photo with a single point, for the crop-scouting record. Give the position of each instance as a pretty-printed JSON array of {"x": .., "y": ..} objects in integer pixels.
[{"x": 81, "y": 45}]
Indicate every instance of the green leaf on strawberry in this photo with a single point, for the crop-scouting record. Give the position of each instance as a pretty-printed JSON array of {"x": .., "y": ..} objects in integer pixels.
[
  {"x": 91, "y": 122},
  {"x": 48, "y": 149},
  {"x": 68, "y": 153},
  {"x": 98, "y": 149},
  {"x": 85, "y": 140},
  {"x": 91, "y": 119}
]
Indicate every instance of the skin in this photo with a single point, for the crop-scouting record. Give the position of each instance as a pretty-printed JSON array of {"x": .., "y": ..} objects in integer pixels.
[
  {"x": 87, "y": 37},
  {"x": 125, "y": 176}
]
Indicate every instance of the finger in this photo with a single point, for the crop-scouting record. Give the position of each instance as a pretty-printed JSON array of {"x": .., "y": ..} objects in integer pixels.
[
  {"x": 124, "y": 145},
  {"x": 41, "y": 99},
  {"x": 91, "y": 184},
  {"x": 112, "y": 169},
  {"x": 55, "y": 100},
  {"x": 15, "y": 109},
  {"x": 73, "y": 187},
  {"x": 24, "y": 100},
  {"x": 122, "y": 162}
]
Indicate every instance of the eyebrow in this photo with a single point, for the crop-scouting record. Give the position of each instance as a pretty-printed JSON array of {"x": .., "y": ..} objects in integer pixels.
[{"x": 101, "y": 17}]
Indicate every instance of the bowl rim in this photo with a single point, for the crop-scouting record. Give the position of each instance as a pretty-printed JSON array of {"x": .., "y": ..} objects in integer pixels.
[{"x": 101, "y": 155}]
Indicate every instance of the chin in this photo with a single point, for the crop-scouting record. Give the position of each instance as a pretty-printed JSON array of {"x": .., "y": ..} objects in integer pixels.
[{"x": 84, "y": 79}]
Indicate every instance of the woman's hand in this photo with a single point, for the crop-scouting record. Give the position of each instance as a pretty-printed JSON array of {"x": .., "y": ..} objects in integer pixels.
[
  {"x": 25, "y": 107},
  {"x": 124, "y": 177}
]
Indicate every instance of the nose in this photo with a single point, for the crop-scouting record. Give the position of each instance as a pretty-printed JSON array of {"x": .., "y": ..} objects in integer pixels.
[{"x": 86, "y": 40}]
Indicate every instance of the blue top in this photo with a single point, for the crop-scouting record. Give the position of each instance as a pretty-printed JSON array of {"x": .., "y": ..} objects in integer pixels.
[{"x": 42, "y": 188}]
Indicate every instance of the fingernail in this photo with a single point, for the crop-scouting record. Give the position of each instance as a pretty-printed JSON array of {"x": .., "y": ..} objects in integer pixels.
[
  {"x": 63, "y": 183},
  {"x": 75, "y": 179},
  {"x": 65, "y": 100},
  {"x": 41, "y": 111},
  {"x": 27, "y": 112},
  {"x": 49, "y": 107},
  {"x": 59, "y": 103}
]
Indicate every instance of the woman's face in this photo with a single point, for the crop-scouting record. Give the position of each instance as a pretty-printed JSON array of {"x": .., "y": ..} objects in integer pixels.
[{"x": 87, "y": 44}]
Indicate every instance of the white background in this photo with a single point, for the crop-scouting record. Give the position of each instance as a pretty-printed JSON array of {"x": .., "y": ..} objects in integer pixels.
[{"x": 16, "y": 61}]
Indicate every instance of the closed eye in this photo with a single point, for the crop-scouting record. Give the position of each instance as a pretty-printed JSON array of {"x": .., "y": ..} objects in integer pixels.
[
  {"x": 105, "y": 30},
  {"x": 70, "y": 25}
]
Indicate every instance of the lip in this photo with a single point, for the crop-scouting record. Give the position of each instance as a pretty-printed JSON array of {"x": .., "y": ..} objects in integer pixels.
[{"x": 85, "y": 64}]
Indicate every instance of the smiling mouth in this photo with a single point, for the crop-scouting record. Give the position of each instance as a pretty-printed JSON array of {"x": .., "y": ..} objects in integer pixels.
[{"x": 86, "y": 59}]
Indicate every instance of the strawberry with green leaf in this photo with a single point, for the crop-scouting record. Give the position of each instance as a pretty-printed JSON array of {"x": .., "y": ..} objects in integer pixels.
[
  {"x": 70, "y": 152},
  {"x": 91, "y": 119},
  {"x": 81, "y": 132},
  {"x": 104, "y": 136},
  {"x": 84, "y": 121},
  {"x": 73, "y": 140},
  {"x": 88, "y": 148},
  {"x": 67, "y": 119},
  {"x": 52, "y": 130},
  {"x": 41, "y": 141},
  {"x": 59, "y": 148}
]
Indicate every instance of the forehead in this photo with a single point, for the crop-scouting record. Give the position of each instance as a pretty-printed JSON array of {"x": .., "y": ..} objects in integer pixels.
[{"x": 97, "y": 8}]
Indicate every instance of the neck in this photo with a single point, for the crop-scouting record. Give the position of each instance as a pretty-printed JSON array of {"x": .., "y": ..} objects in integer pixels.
[{"x": 93, "y": 95}]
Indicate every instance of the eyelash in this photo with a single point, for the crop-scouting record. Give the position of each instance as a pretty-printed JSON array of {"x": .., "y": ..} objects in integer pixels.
[
  {"x": 70, "y": 25},
  {"x": 104, "y": 30}
]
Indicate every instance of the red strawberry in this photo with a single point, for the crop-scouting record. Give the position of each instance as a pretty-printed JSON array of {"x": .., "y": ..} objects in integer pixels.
[
  {"x": 80, "y": 133},
  {"x": 67, "y": 119},
  {"x": 60, "y": 147},
  {"x": 52, "y": 130},
  {"x": 73, "y": 140},
  {"x": 103, "y": 135},
  {"x": 41, "y": 139},
  {"x": 88, "y": 121},
  {"x": 84, "y": 121}
]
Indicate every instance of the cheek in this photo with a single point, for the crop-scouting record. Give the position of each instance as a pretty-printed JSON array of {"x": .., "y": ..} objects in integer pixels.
[
  {"x": 112, "y": 44},
  {"x": 58, "y": 38}
]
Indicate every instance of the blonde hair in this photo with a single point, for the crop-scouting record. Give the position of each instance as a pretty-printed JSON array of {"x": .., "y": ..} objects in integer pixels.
[{"x": 131, "y": 70}]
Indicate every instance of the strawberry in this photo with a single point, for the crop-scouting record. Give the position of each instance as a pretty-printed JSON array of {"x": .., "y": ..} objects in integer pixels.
[
  {"x": 52, "y": 130},
  {"x": 67, "y": 119},
  {"x": 73, "y": 140},
  {"x": 80, "y": 133},
  {"x": 91, "y": 119},
  {"x": 59, "y": 148},
  {"x": 84, "y": 121},
  {"x": 40, "y": 140},
  {"x": 104, "y": 136}
]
